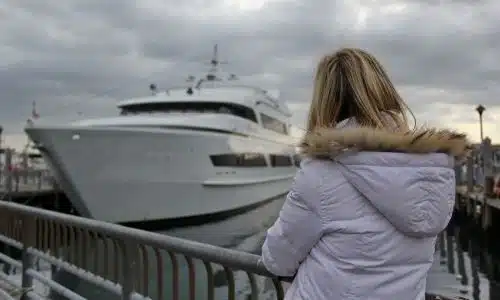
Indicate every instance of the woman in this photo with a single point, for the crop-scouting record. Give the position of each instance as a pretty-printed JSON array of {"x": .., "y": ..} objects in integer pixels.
[{"x": 361, "y": 219}]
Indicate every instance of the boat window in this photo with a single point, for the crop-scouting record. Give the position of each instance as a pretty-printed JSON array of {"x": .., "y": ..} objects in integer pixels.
[
  {"x": 273, "y": 124},
  {"x": 190, "y": 107},
  {"x": 239, "y": 160},
  {"x": 278, "y": 160}
]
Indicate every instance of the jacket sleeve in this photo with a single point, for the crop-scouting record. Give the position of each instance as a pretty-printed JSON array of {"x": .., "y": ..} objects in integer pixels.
[{"x": 296, "y": 231}]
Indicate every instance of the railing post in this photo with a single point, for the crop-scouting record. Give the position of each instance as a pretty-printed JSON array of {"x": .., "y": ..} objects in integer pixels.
[
  {"x": 17, "y": 180},
  {"x": 470, "y": 205},
  {"x": 129, "y": 268},
  {"x": 2, "y": 167},
  {"x": 29, "y": 238},
  {"x": 470, "y": 174},
  {"x": 458, "y": 174},
  {"x": 487, "y": 155},
  {"x": 8, "y": 173},
  {"x": 39, "y": 179},
  {"x": 25, "y": 167}
]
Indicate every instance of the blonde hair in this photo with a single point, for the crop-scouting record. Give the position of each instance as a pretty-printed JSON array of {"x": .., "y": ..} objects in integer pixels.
[{"x": 351, "y": 83}]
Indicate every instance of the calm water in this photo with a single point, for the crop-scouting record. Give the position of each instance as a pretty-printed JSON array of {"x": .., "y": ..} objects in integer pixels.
[
  {"x": 459, "y": 269},
  {"x": 467, "y": 262}
]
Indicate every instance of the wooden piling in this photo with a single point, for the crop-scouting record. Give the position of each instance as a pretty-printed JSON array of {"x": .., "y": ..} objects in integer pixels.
[
  {"x": 470, "y": 186},
  {"x": 487, "y": 159}
]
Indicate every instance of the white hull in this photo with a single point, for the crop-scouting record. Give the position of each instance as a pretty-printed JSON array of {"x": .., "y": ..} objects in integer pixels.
[{"x": 131, "y": 175}]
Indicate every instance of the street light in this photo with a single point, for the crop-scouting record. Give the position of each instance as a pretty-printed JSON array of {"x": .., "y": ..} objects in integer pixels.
[
  {"x": 1, "y": 152},
  {"x": 480, "y": 110}
]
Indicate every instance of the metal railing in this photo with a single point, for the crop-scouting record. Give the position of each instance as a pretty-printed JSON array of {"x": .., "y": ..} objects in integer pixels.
[
  {"x": 25, "y": 180},
  {"x": 118, "y": 259},
  {"x": 129, "y": 263},
  {"x": 22, "y": 179}
]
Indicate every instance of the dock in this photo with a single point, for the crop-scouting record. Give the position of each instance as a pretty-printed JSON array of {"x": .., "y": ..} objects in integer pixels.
[
  {"x": 22, "y": 182},
  {"x": 478, "y": 206},
  {"x": 478, "y": 197},
  {"x": 25, "y": 183},
  {"x": 476, "y": 194}
]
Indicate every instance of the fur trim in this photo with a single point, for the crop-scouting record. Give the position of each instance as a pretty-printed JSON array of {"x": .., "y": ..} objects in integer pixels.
[{"x": 327, "y": 143}]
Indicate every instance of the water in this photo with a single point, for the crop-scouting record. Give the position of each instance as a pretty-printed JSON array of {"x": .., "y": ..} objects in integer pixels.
[
  {"x": 467, "y": 263},
  {"x": 464, "y": 267}
]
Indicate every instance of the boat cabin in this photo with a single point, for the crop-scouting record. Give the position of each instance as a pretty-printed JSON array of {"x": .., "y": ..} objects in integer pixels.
[
  {"x": 215, "y": 93},
  {"x": 249, "y": 103}
]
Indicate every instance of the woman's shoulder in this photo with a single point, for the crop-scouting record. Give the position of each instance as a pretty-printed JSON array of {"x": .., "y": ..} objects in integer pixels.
[
  {"x": 311, "y": 165},
  {"x": 319, "y": 172}
]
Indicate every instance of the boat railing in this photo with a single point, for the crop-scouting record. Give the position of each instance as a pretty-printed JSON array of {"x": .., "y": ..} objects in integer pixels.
[
  {"x": 19, "y": 180},
  {"x": 121, "y": 261},
  {"x": 22, "y": 178}
]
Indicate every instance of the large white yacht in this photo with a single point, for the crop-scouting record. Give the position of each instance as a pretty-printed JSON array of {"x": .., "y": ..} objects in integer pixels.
[{"x": 210, "y": 149}]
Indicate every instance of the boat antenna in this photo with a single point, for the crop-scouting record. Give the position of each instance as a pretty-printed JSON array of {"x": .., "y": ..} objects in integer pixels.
[
  {"x": 215, "y": 59},
  {"x": 153, "y": 88},
  {"x": 215, "y": 62},
  {"x": 214, "y": 72}
]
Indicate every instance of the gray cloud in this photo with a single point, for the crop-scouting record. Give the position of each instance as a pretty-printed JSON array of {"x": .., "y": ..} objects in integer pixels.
[{"x": 81, "y": 55}]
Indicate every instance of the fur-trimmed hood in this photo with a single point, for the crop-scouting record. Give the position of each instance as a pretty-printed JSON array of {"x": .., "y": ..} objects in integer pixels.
[{"x": 330, "y": 142}]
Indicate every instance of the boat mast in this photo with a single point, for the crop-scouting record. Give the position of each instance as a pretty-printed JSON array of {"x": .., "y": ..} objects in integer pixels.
[
  {"x": 215, "y": 60},
  {"x": 214, "y": 73}
]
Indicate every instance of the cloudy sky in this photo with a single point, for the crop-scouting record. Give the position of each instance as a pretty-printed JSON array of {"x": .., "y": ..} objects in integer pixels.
[{"x": 80, "y": 56}]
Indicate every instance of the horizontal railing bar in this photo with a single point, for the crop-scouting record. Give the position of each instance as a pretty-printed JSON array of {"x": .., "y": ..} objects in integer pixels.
[
  {"x": 11, "y": 242},
  {"x": 60, "y": 289},
  {"x": 38, "y": 276},
  {"x": 4, "y": 277},
  {"x": 80, "y": 273},
  {"x": 91, "y": 278},
  {"x": 10, "y": 261},
  {"x": 31, "y": 294},
  {"x": 34, "y": 295},
  {"x": 136, "y": 296},
  {"x": 5, "y": 295},
  {"x": 12, "y": 282},
  {"x": 83, "y": 274},
  {"x": 230, "y": 258}
]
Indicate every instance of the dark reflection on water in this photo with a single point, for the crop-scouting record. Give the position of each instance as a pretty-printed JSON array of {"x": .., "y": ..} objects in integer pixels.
[
  {"x": 466, "y": 264},
  {"x": 469, "y": 262}
]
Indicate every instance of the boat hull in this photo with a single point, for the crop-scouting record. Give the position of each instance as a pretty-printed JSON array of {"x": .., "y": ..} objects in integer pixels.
[{"x": 132, "y": 176}]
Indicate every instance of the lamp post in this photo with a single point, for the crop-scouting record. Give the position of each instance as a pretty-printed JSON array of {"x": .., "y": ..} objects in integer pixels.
[
  {"x": 2, "y": 153},
  {"x": 480, "y": 110}
]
